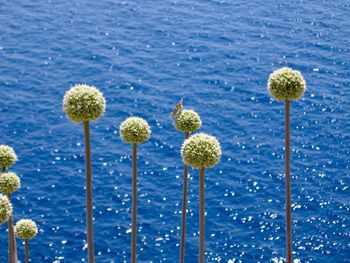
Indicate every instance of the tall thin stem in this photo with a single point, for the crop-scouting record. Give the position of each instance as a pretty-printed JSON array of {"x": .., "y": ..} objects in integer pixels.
[
  {"x": 26, "y": 250},
  {"x": 201, "y": 216},
  {"x": 184, "y": 205},
  {"x": 288, "y": 184},
  {"x": 134, "y": 203},
  {"x": 12, "y": 241},
  {"x": 9, "y": 223},
  {"x": 89, "y": 223},
  {"x": 14, "y": 244},
  {"x": 10, "y": 256},
  {"x": 11, "y": 237}
]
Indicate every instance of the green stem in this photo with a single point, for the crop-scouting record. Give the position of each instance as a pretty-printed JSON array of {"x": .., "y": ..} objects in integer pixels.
[
  {"x": 89, "y": 220},
  {"x": 134, "y": 203},
  {"x": 184, "y": 205},
  {"x": 201, "y": 216},
  {"x": 288, "y": 184}
]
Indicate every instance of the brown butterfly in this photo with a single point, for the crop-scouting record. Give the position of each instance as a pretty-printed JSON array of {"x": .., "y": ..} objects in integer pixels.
[{"x": 177, "y": 108}]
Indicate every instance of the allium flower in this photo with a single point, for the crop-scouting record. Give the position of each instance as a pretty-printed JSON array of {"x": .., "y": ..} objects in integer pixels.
[
  {"x": 7, "y": 156},
  {"x": 286, "y": 84},
  {"x": 9, "y": 183},
  {"x": 84, "y": 103},
  {"x": 5, "y": 209},
  {"x": 134, "y": 130},
  {"x": 187, "y": 121},
  {"x": 201, "y": 151},
  {"x": 26, "y": 229}
]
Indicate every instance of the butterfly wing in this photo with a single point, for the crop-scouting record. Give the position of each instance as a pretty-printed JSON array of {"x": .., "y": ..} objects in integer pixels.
[{"x": 177, "y": 108}]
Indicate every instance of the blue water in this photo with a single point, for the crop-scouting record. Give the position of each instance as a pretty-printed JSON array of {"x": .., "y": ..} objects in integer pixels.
[{"x": 144, "y": 56}]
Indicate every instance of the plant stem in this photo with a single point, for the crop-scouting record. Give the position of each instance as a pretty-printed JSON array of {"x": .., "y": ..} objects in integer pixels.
[
  {"x": 26, "y": 250},
  {"x": 184, "y": 205},
  {"x": 12, "y": 239},
  {"x": 14, "y": 245},
  {"x": 201, "y": 216},
  {"x": 134, "y": 203},
  {"x": 288, "y": 184},
  {"x": 9, "y": 222},
  {"x": 10, "y": 256},
  {"x": 89, "y": 223}
]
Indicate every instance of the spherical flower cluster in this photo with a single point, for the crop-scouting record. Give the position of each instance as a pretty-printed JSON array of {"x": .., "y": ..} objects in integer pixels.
[
  {"x": 5, "y": 208},
  {"x": 26, "y": 229},
  {"x": 84, "y": 103},
  {"x": 187, "y": 121},
  {"x": 134, "y": 130},
  {"x": 286, "y": 84},
  {"x": 7, "y": 156},
  {"x": 201, "y": 151},
  {"x": 9, "y": 183}
]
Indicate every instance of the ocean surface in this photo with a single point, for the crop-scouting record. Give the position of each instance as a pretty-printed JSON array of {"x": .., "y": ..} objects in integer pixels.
[{"x": 144, "y": 56}]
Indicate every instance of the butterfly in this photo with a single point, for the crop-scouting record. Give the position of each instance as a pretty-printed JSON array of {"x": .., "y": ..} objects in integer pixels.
[{"x": 177, "y": 108}]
